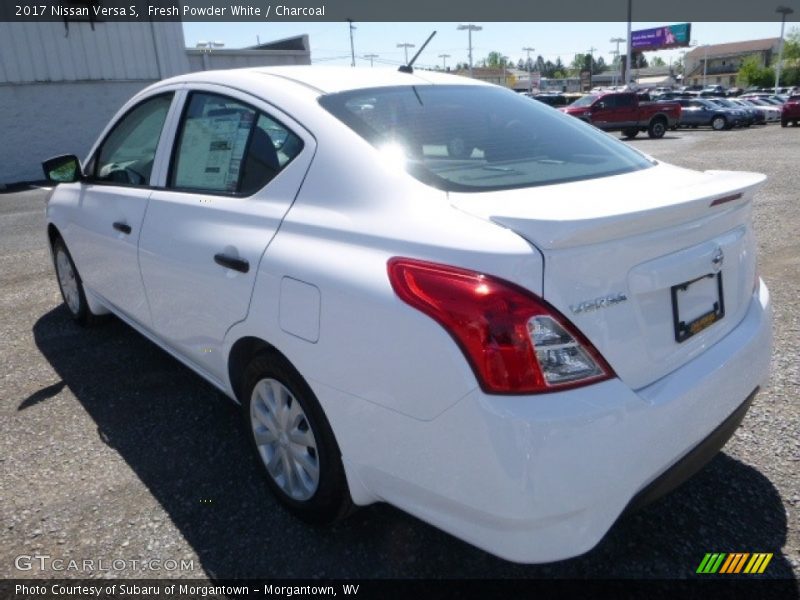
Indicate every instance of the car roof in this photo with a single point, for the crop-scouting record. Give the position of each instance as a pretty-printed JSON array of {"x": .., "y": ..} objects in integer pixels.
[{"x": 328, "y": 80}]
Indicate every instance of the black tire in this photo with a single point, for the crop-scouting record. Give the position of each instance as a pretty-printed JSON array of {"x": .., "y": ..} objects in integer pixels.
[
  {"x": 630, "y": 133},
  {"x": 66, "y": 271},
  {"x": 657, "y": 128},
  {"x": 784, "y": 123},
  {"x": 330, "y": 501},
  {"x": 719, "y": 122}
]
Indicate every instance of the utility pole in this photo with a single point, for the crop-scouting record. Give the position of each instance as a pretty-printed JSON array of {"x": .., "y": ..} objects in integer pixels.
[
  {"x": 352, "y": 47},
  {"x": 371, "y": 57},
  {"x": 405, "y": 46},
  {"x": 617, "y": 41},
  {"x": 591, "y": 64},
  {"x": 528, "y": 50},
  {"x": 783, "y": 10},
  {"x": 470, "y": 28},
  {"x": 444, "y": 58}
]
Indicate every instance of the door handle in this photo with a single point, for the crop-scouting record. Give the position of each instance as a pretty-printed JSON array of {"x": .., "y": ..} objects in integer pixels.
[
  {"x": 123, "y": 227},
  {"x": 232, "y": 262}
]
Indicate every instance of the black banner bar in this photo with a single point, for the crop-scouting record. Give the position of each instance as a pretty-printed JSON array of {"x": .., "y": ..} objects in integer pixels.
[
  {"x": 666, "y": 11},
  {"x": 709, "y": 588}
]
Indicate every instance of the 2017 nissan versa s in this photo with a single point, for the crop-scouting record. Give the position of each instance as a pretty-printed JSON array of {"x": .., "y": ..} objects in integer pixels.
[{"x": 425, "y": 290}]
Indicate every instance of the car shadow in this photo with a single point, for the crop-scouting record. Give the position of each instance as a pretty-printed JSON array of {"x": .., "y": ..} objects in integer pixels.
[
  {"x": 672, "y": 135},
  {"x": 187, "y": 446}
]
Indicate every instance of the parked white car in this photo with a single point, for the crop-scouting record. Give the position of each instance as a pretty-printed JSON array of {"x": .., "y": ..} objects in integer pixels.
[
  {"x": 425, "y": 290},
  {"x": 772, "y": 112}
]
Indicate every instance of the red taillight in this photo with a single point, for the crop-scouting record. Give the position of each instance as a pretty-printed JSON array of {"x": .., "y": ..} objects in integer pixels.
[{"x": 496, "y": 324}]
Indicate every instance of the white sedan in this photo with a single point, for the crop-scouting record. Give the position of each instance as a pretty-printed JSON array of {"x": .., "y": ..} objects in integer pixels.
[{"x": 425, "y": 290}]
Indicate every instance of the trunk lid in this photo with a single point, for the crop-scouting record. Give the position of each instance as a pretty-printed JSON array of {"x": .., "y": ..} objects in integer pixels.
[{"x": 616, "y": 248}]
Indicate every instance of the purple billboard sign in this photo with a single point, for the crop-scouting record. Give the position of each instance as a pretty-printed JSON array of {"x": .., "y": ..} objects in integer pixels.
[{"x": 669, "y": 36}]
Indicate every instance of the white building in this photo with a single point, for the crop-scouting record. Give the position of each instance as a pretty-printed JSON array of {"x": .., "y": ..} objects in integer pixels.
[{"x": 61, "y": 82}]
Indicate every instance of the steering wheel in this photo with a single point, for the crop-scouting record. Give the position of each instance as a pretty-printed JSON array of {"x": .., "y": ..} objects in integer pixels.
[{"x": 127, "y": 175}]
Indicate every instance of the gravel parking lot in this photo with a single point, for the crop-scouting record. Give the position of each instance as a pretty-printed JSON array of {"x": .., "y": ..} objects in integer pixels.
[{"x": 112, "y": 450}]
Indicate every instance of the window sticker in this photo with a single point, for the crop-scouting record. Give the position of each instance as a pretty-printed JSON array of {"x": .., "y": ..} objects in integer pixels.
[{"x": 211, "y": 151}]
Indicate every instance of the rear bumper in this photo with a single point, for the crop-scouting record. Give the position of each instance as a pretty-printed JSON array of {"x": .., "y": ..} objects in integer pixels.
[
  {"x": 694, "y": 460},
  {"x": 543, "y": 478}
]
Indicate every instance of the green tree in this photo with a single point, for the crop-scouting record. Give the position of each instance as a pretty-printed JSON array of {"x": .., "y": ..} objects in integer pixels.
[
  {"x": 657, "y": 61},
  {"x": 581, "y": 63},
  {"x": 791, "y": 47},
  {"x": 496, "y": 60},
  {"x": 752, "y": 72},
  {"x": 559, "y": 69}
]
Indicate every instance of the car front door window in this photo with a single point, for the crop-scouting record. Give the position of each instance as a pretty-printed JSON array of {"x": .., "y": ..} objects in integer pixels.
[{"x": 127, "y": 154}]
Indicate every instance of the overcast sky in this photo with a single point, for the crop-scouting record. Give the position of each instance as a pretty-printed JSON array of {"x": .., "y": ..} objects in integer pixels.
[{"x": 330, "y": 42}]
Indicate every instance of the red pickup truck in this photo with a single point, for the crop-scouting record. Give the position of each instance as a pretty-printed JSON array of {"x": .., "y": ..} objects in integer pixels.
[
  {"x": 791, "y": 111},
  {"x": 622, "y": 111}
]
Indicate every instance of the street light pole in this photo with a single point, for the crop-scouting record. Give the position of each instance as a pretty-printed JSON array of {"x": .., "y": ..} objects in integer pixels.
[
  {"x": 470, "y": 28},
  {"x": 405, "y": 46},
  {"x": 628, "y": 69},
  {"x": 444, "y": 58},
  {"x": 206, "y": 48},
  {"x": 783, "y": 10},
  {"x": 528, "y": 49},
  {"x": 705, "y": 63},
  {"x": 683, "y": 60},
  {"x": 371, "y": 57}
]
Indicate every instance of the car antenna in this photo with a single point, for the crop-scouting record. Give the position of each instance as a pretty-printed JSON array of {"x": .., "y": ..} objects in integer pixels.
[{"x": 409, "y": 68}]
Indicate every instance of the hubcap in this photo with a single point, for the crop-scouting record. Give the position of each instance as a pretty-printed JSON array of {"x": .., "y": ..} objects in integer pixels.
[
  {"x": 67, "y": 281},
  {"x": 284, "y": 439}
]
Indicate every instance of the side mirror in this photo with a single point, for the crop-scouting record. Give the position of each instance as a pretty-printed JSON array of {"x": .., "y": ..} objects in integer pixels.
[
  {"x": 599, "y": 105},
  {"x": 62, "y": 169}
]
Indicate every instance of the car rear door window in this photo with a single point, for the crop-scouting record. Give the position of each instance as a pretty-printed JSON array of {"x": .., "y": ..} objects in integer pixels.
[
  {"x": 625, "y": 100},
  {"x": 126, "y": 155},
  {"x": 226, "y": 146}
]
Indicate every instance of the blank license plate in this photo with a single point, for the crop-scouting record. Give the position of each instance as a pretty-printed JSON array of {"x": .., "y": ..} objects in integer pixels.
[{"x": 696, "y": 304}]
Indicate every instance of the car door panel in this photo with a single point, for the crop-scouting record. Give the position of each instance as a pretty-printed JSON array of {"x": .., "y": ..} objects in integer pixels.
[
  {"x": 111, "y": 205},
  {"x": 106, "y": 254},
  {"x": 199, "y": 252}
]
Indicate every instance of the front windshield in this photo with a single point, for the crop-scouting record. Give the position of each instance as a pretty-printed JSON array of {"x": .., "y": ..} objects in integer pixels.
[{"x": 478, "y": 138}]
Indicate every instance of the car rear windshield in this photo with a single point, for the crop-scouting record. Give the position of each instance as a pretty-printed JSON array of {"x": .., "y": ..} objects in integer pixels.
[{"x": 480, "y": 138}]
